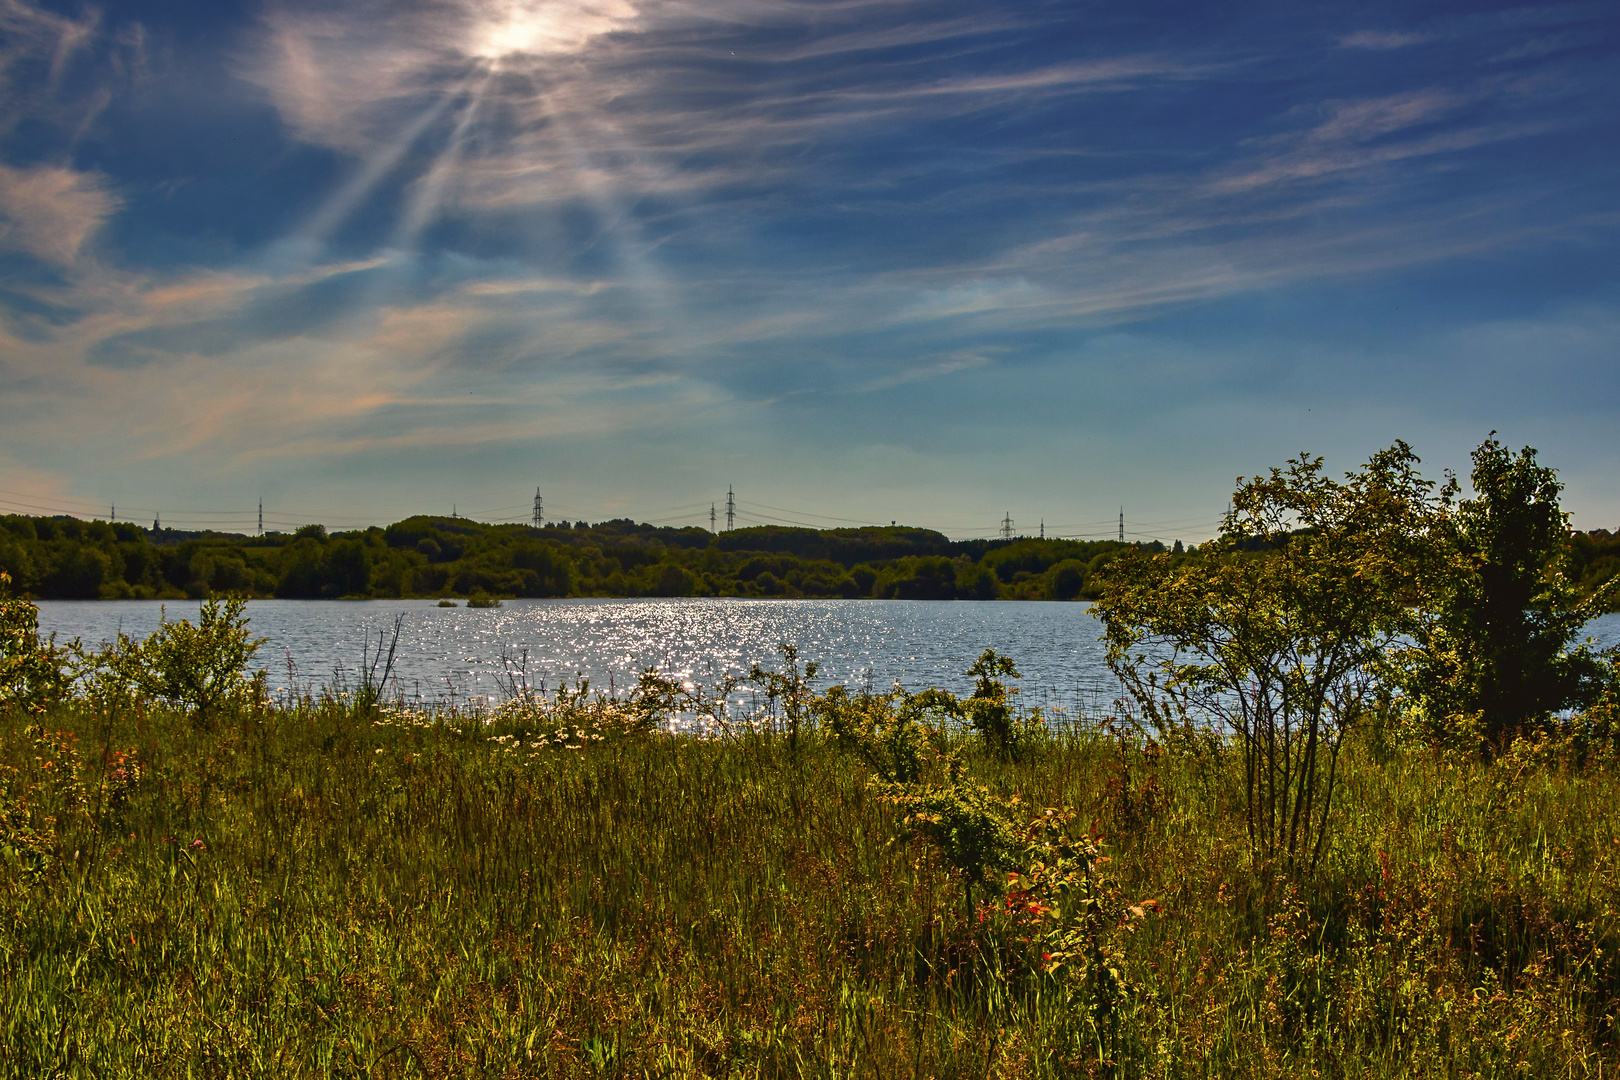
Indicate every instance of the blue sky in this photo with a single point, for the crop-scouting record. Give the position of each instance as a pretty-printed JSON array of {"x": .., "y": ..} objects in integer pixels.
[{"x": 862, "y": 261}]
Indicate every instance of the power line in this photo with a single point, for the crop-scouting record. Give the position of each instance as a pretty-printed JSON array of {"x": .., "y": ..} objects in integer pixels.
[
  {"x": 257, "y": 518},
  {"x": 824, "y": 517},
  {"x": 761, "y": 519}
]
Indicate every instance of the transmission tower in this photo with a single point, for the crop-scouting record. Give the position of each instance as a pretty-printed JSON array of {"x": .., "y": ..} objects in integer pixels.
[
  {"x": 157, "y": 520},
  {"x": 1006, "y": 526},
  {"x": 731, "y": 508},
  {"x": 1122, "y": 524},
  {"x": 261, "y": 517},
  {"x": 114, "y": 515},
  {"x": 1043, "y": 528},
  {"x": 539, "y": 509},
  {"x": 711, "y": 517}
]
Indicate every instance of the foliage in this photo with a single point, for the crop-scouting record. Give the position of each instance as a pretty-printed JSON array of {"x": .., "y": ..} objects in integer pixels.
[
  {"x": 44, "y": 790},
  {"x": 1495, "y": 649},
  {"x": 1078, "y": 921},
  {"x": 965, "y": 821},
  {"x": 989, "y": 710},
  {"x": 889, "y": 732},
  {"x": 201, "y": 668},
  {"x": 1597, "y": 727},
  {"x": 787, "y": 689},
  {"x": 322, "y": 890},
  {"x": 33, "y": 671},
  {"x": 438, "y": 557},
  {"x": 1282, "y": 645}
]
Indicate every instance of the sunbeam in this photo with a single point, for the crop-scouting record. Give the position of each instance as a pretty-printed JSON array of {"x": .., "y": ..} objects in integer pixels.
[
  {"x": 616, "y": 223},
  {"x": 337, "y": 209},
  {"x": 427, "y": 193}
]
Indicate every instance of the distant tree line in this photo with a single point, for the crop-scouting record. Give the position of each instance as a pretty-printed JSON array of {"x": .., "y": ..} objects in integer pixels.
[
  {"x": 63, "y": 558},
  {"x": 67, "y": 558}
]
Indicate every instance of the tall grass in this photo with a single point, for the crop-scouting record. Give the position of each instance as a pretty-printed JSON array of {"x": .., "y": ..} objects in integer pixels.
[{"x": 322, "y": 888}]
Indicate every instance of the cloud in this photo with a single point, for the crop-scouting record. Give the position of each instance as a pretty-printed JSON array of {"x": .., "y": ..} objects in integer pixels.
[
  {"x": 50, "y": 212},
  {"x": 524, "y": 224},
  {"x": 1382, "y": 39}
]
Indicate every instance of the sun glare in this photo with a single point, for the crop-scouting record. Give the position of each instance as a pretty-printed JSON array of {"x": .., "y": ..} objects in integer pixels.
[{"x": 545, "y": 26}]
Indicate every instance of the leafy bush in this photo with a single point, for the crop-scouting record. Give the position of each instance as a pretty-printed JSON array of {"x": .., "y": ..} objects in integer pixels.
[
  {"x": 1077, "y": 920},
  {"x": 1281, "y": 633},
  {"x": 887, "y": 731},
  {"x": 200, "y": 668},
  {"x": 965, "y": 821},
  {"x": 989, "y": 710},
  {"x": 33, "y": 671},
  {"x": 787, "y": 690}
]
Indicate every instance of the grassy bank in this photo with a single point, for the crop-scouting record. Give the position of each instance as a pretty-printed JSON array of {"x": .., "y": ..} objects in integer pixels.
[{"x": 315, "y": 889}]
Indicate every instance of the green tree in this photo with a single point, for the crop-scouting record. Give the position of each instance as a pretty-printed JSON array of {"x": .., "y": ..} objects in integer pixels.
[
  {"x": 976, "y": 582},
  {"x": 1066, "y": 579},
  {"x": 1281, "y": 634},
  {"x": 1494, "y": 649},
  {"x": 347, "y": 568}
]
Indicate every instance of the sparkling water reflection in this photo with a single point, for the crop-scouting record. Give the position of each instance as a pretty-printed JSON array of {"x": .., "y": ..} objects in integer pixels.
[{"x": 460, "y": 653}]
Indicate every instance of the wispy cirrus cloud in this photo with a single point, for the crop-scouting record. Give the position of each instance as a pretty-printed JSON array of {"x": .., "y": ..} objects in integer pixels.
[
  {"x": 1383, "y": 39},
  {"x": 495, "y": 227},
  {"x": 50, "y": 212}
]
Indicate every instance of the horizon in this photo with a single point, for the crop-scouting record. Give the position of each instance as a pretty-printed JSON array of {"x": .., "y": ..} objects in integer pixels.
[{"x": 287, "y": 526}]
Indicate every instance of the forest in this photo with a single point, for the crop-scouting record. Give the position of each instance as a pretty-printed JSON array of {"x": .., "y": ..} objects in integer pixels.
[{"x": 68, "y": 558}]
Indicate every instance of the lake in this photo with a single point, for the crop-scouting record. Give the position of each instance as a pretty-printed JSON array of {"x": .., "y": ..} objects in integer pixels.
[
  {"x": 457, "y": 654},
  {"x": 447, "y": 654}
]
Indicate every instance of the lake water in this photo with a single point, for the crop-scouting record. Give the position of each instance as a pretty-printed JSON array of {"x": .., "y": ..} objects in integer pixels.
[{"x": 461, "y": 653}]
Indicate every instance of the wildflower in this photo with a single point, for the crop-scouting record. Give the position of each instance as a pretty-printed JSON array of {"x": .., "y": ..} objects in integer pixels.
[
  {"x": 198, "y": 845},
  {"x": 377, "y": 751}
]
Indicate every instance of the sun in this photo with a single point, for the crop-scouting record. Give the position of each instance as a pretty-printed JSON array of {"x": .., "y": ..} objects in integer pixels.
[{"x": 539, "y": 27}]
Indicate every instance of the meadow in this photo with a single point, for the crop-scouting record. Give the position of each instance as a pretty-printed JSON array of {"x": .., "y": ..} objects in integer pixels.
[
  {"x": 1356, "y": 815},
  {"x": 322, "y": 886}
]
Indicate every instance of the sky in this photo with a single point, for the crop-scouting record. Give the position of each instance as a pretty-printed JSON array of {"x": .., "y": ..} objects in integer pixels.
[{"x": 937, "y": 263}]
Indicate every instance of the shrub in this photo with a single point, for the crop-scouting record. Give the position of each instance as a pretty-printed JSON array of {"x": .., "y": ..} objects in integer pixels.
[
  {"x": 989, "y": 710},
  {"x": 201, "y": 667},
  {"x": 1281, "y": 634},
  {"x": 886, "y": 730},
  {"x": 967, "y": 823},
  {"x": 33, "y": 671}
]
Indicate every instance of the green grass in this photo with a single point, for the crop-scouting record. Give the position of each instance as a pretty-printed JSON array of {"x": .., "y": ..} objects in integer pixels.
[{"x": 404, "y": 900}]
